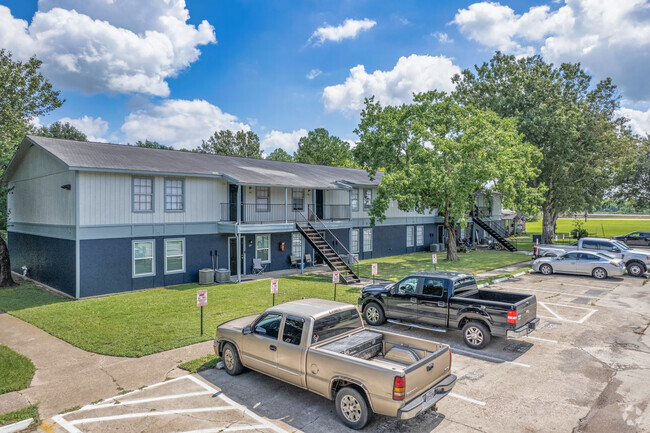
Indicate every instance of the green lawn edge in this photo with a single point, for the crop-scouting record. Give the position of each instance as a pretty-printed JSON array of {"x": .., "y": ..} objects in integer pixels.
[
  {"x": 17, "y": 370},
  {"x": 20, "y": 415},
  {"x": 200, "y": 364}
]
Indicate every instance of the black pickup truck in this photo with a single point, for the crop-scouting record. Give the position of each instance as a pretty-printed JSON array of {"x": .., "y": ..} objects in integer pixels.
[{"x": 450, "y": 300}]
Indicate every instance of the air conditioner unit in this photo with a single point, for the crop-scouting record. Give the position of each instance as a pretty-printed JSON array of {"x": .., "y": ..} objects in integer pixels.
[
  {"x": 353, "y": 259},
  {"x": 434, "y": 248},
  {"x": 206, "y": 276}
]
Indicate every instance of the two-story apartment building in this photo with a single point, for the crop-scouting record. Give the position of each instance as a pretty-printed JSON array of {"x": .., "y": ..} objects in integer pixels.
[{"x": 92, "y": 218}]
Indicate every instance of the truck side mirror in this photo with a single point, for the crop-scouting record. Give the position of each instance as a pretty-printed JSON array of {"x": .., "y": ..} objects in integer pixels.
[
  {"x": 615, "y": 250},
  {"x": 392, "y": 291},
  {"x": 246, "y": 330}
]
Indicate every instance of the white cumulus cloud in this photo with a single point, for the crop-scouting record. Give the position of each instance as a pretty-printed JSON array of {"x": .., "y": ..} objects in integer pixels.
[
  {"x": 116, "y": 46},
  {"x": 443, "y": 38},
  {"x": 283, "y": 140},
  {"x": 609, "y": 38},
  {"x": 313, "y": 74},
  {"x": 639, "y": 120},
  {"x": 411, "y": 74},
  {"x": 350, "y": 29},
  {"x": 94, "y": 127},
  {"x": 179, "y": 123}
]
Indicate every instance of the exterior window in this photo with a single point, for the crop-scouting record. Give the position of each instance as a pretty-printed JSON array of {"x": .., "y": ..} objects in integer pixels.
[
  {"x": 262, "y": 196},
  {"x": 269, "y": 326},
  {"x": 419, "y": 232},
  {"x": 143, "y": 263},
  {"x": 367, "y": 240},
  {"x": 142, "y": 194},
  {"x": 296, "y": 245},
  {"x": 298, "y": 196},
  {"x": 262, "y": 247},
  {"x": 354, "y": 241},
  {"x": 354, "y": 200},
  {"x": 174, "y": 194},
  {"x": 432, "y": 287},
  {"x": 367, "y": 199},
  {"x": 292, "y": 332},
  {"x": 409, "y": 236},
  {"x": 174, "y": 255}
]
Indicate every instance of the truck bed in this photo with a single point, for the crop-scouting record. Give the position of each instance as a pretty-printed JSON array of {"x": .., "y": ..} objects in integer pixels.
[{"x": 492, "y": 296}]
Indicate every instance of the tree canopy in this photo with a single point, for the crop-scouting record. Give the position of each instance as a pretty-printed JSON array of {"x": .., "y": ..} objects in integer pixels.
[
  {"x": 280, "y": 154},
  {"x": 321, "y": 148},
  {"x": 558, "y": 110},
  {"x": 437, "y": 153},
  {"x": 632, "y": 186},
  {"x": 225, "y": 142},
  {"x": 61, "y": 130},
  {"x": 152, "y": 145}
]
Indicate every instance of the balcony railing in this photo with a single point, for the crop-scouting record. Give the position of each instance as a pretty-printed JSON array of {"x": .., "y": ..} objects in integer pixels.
[{"x": 262, "y": 213}]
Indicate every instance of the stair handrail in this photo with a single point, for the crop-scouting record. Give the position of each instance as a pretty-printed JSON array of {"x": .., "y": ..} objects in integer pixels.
[
  {"x": 316, "y": 219},
  {"x": 500, "y": 230}
]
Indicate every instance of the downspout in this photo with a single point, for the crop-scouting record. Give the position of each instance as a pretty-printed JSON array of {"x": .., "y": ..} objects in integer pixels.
[
  {"x": 237, "y": 234},
  {"x": 76, "y": 237}
]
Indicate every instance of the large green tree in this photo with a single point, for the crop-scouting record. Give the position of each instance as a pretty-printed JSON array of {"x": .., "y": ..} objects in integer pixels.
[
  {"x": 436, "y": 154},
  {"x": 632, "y": 186},
  {"x": 61, "y": 130},
  {"x": 571, "y": 121},
  {"x": 280, "y": 154},
  {"x": 152, "y": 145},
  {"x": 225, "y": 142},
  {"x": 321, "y": 148},
  {"x": 24, "y": 94}
]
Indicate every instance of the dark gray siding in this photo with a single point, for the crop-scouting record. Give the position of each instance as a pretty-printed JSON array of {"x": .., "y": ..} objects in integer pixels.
[
  {"x": 50, "y": 261},
  {"x": 391, "y": 240}
]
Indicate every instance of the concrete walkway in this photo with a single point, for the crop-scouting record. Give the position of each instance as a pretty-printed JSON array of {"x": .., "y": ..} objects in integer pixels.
[
  {"x": 67, "y": 376},
  {"x": 504, "y": 270}
]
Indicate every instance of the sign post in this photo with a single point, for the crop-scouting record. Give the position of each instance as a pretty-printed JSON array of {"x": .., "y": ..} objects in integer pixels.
[
  {"x": 274, "y": 289},
  {"x": 434, "y": 259},
  {"x": 335, "y": 280},
  {"x": 201, "y": 301},
  {"x": 374, "y": 272}
]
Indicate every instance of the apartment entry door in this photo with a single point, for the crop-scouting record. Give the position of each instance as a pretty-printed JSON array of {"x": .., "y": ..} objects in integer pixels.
[
  {"x": 319, "y": 203},
  {"x": 232, "y": 203},
  {"x": 232, "y": 255}
]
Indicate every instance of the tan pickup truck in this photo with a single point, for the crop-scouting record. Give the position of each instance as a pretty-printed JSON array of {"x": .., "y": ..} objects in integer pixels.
[{"x": 322, "y": 346}]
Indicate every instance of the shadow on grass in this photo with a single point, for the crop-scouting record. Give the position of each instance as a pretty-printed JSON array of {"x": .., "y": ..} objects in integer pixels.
[{"x": 27, "y": 295}]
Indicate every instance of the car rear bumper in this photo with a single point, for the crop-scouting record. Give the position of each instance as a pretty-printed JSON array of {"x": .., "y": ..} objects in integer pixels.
[
  {"x": 428, "y": 398},
  {"x": 524, "y": 330}
]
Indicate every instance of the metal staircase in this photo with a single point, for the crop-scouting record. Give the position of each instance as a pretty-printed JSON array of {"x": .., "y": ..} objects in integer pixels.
[
  {"x": 498, "y": 235},
  {"x": 307, "y": 228}
]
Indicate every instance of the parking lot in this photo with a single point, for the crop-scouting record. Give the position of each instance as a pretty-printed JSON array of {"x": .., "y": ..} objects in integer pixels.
[{"x": 586, "y": 368}]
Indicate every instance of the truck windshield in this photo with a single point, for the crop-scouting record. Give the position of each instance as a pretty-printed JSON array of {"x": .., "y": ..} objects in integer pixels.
[
  {"x": 621, "y": 245},
  {"x": 335, "y": 324},
  {"x": 464, "y": 285}
]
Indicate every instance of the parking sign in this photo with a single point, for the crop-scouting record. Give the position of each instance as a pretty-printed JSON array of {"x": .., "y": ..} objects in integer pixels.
[
  {"x": 201, "y": 298},
  {"x": 434, "y": 258},
  {"x": 274, "y": 286},
  {"x": 374, "y": 269},
  {"x": 335, "y": 277}
]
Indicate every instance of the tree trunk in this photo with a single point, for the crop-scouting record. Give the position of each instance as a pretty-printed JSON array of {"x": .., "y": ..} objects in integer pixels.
[
  {"x": 452, "y": 253},
  {"x": 549, "y": 218},
  {"x": 6, "y": 280}
]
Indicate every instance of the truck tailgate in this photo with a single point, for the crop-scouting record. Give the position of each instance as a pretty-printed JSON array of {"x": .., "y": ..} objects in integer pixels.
[
  {"x": 428, "y": 371},
  {"x": 526, "y": 310}
]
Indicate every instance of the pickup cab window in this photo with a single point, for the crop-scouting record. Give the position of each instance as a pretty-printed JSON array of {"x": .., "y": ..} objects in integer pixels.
[
  {"x": 590, "y": 245},
  {"x": 292, "y": 332},
  {"x": 269, "y": 325},
  {"x": 336, "y": 324},
  {"x": 464, "y": 285},
  {"x": 407, "y": 286},
  {"x": 432, "y": 287},
  {"x": 621, "y": 245}
]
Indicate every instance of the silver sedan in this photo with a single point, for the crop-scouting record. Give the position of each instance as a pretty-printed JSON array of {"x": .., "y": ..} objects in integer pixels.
[{"x": 578, "y": 262}]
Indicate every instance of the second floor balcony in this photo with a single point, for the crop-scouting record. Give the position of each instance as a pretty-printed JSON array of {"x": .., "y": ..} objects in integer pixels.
[{"x": 269, "y": 213}]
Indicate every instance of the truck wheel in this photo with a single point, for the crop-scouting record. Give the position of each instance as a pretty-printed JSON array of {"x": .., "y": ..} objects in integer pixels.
[
  {"x": 599, "y": 273},
  {"x": 546, "y": 269},
  {"x": 352, "y": 408},
  {"x": 635, "y": 269},
  {"x": 476, "y": 335},
  {"x": 231, "y": 361},
  {"x": 374, "y": 314}
]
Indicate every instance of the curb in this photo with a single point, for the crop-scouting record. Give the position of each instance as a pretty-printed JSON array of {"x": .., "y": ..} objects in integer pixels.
[
  {"x": 16, "y": 427},
  {"x": 501, "y": 280}
]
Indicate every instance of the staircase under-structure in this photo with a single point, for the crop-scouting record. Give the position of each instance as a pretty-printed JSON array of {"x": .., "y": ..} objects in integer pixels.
[
  {"x": 313, "y": 235},
  {"x": 492, "y": 231}
]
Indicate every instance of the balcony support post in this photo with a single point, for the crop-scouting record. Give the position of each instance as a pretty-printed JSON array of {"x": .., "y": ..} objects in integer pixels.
[{"x": 286, "y": 203}]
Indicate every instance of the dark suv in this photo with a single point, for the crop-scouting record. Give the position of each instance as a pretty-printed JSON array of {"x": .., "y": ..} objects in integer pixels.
[{"x": 637, "y": 239}]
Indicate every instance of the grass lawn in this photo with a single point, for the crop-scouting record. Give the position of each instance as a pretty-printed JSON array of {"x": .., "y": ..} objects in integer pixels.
[
  {"x": 16, "y": 372},
  {"x": 19, "y": 415},
  {"x": 394, "y": 268},
  {"x": 200, "y": 364},
  {"x": 612, "y": 227}
]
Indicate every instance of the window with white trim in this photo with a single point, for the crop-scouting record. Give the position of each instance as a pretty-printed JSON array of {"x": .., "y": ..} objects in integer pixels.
[
  {"x": 143, "y": 262},
  {"x": 367, "y": 240},
  {"x": 354, "y": 200},
  {"x": 142, "y": 194},
  {"x": 409, "y": 236},
  {"x": 419, "y": 235},
  {"x": 367, "y": 199},
  {"x": 174, "y": 255},
  {"x": 354, "y": 241},
  {"x": 174, "y": 194},
  {"x": 298, "y": 199},
  {"x": 263, "y": 247},
  {"x": 262, "y": 198},
  {"x": 296, "y": 245}
]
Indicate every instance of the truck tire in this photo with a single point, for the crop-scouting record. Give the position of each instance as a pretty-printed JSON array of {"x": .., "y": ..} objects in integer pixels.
[
  {"x": 352, "y": 408},
  {"x": 476, "y": 335},
  {"x": 635, "y": 269},
  {"x": 546, "y": 269},
  {"x": 231, "y": 362},
  {"x": 374, "y": 314},
  {"x": 599, "y": 274}
]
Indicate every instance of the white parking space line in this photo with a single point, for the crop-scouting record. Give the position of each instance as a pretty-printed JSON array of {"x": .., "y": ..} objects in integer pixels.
[
  {"x": 471, "y": 400},
  {"x": 65, "y": 424},
  {"x": 542, "y": 339},
  {"x": 491, "y": 358},
  {"x": 551, "y": 292},
  {"x": 236, "y": 428},
  {"x": 550, "y": 311},
  {"x": 587, "y": 316},
  {"x": 148, "y": 414},
  {"x": 145, "y": 400},
  {"x": 582, "y": 320}
]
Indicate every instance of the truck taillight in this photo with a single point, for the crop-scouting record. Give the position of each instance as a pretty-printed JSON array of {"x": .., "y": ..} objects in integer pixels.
[
  {"x": 399, "y": 387},
  {"x": 450, "y": 358},
  {"x": 512, "y": 316},
  {"x": 534, "y": 251}
]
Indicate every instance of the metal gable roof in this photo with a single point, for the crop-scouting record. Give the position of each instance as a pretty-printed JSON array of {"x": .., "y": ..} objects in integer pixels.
[{"x": 91, "y": 156}]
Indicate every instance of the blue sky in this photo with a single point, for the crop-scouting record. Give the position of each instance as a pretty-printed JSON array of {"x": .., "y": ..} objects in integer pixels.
[{"x": 129, "y": 71}]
